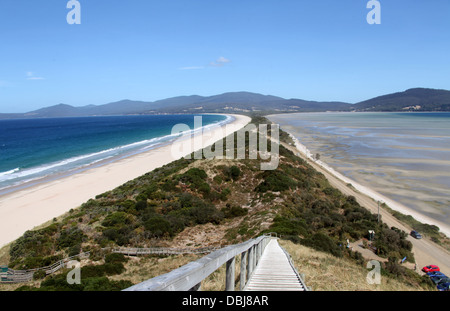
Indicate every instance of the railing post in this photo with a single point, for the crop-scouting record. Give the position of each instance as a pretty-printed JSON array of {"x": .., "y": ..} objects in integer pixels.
[
  {"x": 259, "y": 250},
  {"x": 243, "y": 278},
  {"x": 257, "y": 254},
  {"x": 249, "y": 262},
  {"x": 230, "y": 274},
  {"x": 253, "y": 258}
]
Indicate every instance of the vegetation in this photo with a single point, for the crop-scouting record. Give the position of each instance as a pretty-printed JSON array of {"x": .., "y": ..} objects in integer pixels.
[
  {"x": 241, "y": 201},
  {"x": 325, "y": 272},
  {"x": 430, "y": 231},
  {"x": 417, "y": 99}
]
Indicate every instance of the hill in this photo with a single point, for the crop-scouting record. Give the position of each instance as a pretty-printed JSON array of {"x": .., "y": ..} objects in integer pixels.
[
  {"x": 199, "y": 203},
  {"x": 418, "y": 99}
]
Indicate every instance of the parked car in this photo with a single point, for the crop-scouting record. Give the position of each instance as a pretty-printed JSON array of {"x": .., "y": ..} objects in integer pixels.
[
  {"x": 431, "y": 268},
  {"x": 416, "y": 234},
  {"x": 443, "y": 286},
  {"x": 435, "y": 273},
  {"x": 439, "y": 279}
]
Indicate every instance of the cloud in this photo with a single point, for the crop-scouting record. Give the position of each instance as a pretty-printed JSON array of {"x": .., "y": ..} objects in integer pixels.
[
  {"x": 221, "y": 61},
  {"x": 30, "y": 76}
]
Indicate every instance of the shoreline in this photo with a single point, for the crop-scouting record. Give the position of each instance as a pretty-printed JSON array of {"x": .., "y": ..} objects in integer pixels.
[
  {"x": 122, "y": 152},
  {"x": 28, "y": 208},
  {"x": 394, "y": 205}
]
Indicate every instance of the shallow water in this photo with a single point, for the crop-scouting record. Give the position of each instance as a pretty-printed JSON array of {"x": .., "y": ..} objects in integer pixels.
[{"x": 404, "y": 156}]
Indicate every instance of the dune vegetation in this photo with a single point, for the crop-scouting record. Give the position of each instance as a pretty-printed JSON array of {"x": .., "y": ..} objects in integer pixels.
[{"x": 199, "y": 203}]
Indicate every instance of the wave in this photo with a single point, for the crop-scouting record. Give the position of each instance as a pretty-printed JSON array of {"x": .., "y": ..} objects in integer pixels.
[
  {"x": 9, "y": 172},
  {"x": 18, "y": 176}
]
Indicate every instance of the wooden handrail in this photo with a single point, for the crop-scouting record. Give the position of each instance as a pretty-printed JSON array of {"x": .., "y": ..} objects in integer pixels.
[
  {"x": 191, "y": 275},
  {"x": 301, "y": 277},
  {"x": 162, "y": 251},
  {"x": 19, "y": 276}
]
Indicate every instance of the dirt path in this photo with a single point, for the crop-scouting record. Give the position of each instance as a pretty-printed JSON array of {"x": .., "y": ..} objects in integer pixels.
[{"x": 425, "y": 251}]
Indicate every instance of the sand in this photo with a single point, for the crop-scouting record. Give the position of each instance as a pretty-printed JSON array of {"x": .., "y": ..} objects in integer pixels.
[{"x": 26, "y": 209}]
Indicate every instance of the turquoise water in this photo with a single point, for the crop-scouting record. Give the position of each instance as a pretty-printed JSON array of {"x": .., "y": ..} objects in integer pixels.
[
  {"x": 35, "y": 149},
  {"x": 404, "y": 156}
]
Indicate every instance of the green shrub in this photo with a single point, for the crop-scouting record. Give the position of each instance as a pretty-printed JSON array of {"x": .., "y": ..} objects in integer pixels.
[
  {"x": 35, "y": 262},
  {"x": 113, "y": 268},
  {"x": 204, "y": 214},
  {"x": 39, "y": 275},
  {"x": 275, "y": 181},
  {"x": 289, "y": 226},
  {"x": 390, "y": 241},
  {"x": 33, "y": 244},
  {"x": 234, "y": 211},
  {"x": 74, "y": 250},
  {"x": 126, "y": 206},
  {"x": 196, "y": 178},
  {"x": 70, "y": 237},
  {"x": 322, "y": 242},
  {"x": 115, "y": 258},
  {"x": 102, "y": 270},
  {"x": 116, "y": 219},
  {"x": 158, "y": 226},
  {"x": 235, "y": 172},
  {"x": 104, "y": 284},
  {"x": 59, "y": 283},
  {"x": 120, "y": 236},
  {"x": 224, "y": 194},
  {"x": 141, "y": 205},
  {"x": 218, "y": 179},
  {"x": 193, "y": 175},
  {"x": 204, "y": 188},
  {"x": 230, "y": 172}
]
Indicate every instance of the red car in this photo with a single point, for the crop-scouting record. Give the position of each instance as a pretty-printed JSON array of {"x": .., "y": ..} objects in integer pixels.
[{"x": 430, "y": 268}]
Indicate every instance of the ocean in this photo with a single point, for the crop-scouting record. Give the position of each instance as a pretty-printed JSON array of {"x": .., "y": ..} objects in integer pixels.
[
  {"x": 34, "y": 150},
  {"x": 403, "y": 156}
]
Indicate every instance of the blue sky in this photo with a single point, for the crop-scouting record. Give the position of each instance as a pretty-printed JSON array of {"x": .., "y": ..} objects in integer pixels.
[{"x": 149, "y": 50}]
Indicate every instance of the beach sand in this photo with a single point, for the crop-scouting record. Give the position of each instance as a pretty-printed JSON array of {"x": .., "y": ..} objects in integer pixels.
[{"x": 23, "y": 210}]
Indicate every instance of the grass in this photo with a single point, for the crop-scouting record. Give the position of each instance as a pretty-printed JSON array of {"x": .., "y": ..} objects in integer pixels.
[
  {"x": 324, "y": 272},
  {"x": 140, "y": 269}
]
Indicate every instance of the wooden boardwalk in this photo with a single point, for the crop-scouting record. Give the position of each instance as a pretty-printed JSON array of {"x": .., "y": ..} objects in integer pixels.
[
  {"x": 264, "y": 263},
  {"x": 275, "y": 272}
]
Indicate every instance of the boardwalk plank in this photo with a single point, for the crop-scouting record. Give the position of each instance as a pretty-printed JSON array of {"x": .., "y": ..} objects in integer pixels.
[{"x": 274, "y": 272}]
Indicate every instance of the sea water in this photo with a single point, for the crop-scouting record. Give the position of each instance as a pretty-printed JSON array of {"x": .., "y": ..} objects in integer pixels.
[
  {"x": 403, "y": 156},
  {"x": 34, "y": 150}
]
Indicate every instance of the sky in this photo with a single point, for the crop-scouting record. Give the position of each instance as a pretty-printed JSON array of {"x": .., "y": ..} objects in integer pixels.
[{"x": 149, "y": 50}]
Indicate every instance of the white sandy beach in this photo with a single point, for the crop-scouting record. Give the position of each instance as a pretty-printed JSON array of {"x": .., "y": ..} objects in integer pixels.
[{"x": 25, "y": 209}]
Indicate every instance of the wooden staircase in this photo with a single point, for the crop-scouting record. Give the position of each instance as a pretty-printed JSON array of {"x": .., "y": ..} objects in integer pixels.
[{"x": 275, "y": 272}]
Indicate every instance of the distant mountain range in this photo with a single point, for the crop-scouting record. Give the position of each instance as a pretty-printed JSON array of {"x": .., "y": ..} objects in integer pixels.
[{"x": 417, "y": 99}]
